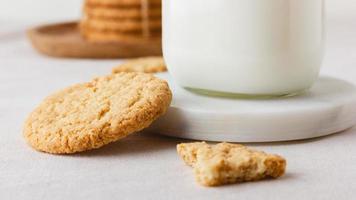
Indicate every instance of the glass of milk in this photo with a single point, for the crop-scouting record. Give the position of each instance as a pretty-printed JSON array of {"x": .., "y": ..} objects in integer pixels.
[{"x": 244, "y": 47}]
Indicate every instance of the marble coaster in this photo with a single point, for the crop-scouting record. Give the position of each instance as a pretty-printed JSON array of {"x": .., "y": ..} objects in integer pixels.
[{"x": 328, "y": 107}]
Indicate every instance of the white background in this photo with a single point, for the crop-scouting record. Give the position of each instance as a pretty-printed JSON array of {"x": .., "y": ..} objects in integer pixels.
[
  {"x": 146, "y": 166},
  {"x": 44, "y": 10}
]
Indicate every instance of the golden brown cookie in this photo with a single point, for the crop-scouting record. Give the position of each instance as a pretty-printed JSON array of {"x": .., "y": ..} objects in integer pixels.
[
  {"x": 109, "y": 36},
  {"x": 121, "y": 25},
  {"x": 87, "y": 28},
  {"x": 121, "y": 13},
  {"x": 122, "y": 3},
  {"x": 115, "y": 37},
  {"x": 226, "y": 163},
  {"x": 90, "y": 115},
  {"x": 146, "y": 65}
]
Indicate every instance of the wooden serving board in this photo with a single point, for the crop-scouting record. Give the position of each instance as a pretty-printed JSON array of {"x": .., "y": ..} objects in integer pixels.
[{"x": 64, "y": 40}]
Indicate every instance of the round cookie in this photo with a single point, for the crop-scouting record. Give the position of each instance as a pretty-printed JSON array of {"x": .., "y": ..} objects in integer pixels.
[
  {"x": 146, "y": 65},
  {"x": 122, "y": 3},
  {"x": 93, "y": 35},
  {"x": 120, "y": 25},
  {"x": 153, "y": 32},
  {"x": 120, "y": 13},
  {"x": 89, "y": 115}
]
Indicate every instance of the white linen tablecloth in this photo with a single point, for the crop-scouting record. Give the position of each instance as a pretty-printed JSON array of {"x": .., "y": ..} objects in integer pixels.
[{"x": 146, "y": 166}]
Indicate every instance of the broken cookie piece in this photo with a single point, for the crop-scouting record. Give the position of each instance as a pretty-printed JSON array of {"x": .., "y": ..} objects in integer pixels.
[{"x": 226, "y": 163}]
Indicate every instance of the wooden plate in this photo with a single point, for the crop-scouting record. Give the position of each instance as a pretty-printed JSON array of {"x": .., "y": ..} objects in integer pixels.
[{"x": 64, "y": 40}]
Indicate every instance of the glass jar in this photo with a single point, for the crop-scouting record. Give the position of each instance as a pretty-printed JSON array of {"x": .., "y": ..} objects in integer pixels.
[{"x": 244, "y": 47}]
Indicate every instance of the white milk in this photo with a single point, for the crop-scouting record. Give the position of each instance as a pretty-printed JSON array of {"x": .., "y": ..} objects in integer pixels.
[{"x": 255, "y": 47}]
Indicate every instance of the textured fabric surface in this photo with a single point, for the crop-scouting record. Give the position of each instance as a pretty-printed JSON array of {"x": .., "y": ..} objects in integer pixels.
[{"x": 145, "y": 166}]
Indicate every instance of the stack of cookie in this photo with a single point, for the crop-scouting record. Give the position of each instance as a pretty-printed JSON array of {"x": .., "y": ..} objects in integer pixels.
[{"x": 121, "y": 20}]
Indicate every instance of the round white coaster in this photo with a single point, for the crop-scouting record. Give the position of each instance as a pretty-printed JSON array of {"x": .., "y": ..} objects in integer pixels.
[{"x": 329, "y": 107}]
